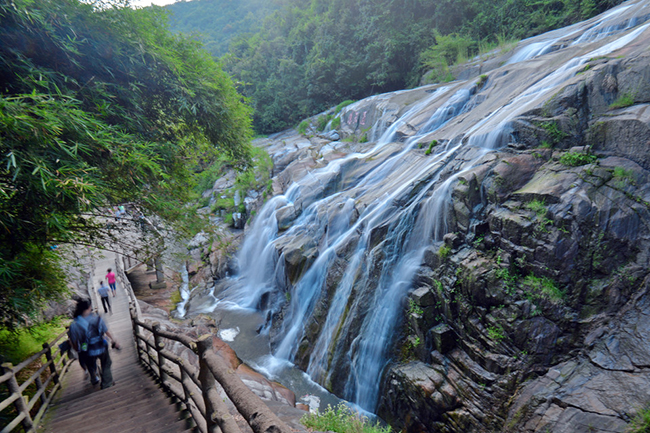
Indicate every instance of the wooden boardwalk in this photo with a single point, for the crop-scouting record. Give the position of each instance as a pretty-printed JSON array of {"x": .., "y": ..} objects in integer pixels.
[{"x": 134, "y": 404}]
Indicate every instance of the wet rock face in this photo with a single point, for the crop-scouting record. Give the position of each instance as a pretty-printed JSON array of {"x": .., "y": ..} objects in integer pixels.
[
  {"x": 545, "y": 286},
  {"x": 528, "y": 313}
]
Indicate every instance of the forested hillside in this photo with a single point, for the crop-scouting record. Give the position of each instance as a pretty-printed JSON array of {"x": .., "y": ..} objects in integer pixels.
[
  {"x": 311, "y": 55},
  {"x": 98, "y": 106},
  {"x": 216, "y": 22}
]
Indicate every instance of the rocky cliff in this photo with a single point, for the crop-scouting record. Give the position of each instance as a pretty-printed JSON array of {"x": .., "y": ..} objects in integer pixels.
[{"x": 473, "y": 256}]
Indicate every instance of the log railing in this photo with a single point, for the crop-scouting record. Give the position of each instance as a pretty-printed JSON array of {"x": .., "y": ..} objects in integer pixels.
[
  {"x": 196, "y": 387},
  {"x": 46, "y": 380}
]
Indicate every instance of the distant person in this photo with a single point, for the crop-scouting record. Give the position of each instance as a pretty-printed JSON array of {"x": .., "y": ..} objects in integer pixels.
[
  {"x": 110, "y": 277},
  {"x": 87, "y": 332},
  {"x": 104, "y": 292}
]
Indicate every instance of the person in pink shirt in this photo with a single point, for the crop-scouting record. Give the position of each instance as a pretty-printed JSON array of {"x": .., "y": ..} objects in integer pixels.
[{"x": 110, "y": 277}]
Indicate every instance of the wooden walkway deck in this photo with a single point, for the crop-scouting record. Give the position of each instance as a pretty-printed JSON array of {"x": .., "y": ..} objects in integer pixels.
[{"x": 134, "y": 404}]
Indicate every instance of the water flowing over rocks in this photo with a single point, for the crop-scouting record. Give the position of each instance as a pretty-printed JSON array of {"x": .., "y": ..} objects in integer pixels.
[{"x": 472, "y": 256}]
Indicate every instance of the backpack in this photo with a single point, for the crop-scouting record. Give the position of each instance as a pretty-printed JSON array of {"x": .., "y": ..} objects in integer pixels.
[{"x": 88, "y": 336}]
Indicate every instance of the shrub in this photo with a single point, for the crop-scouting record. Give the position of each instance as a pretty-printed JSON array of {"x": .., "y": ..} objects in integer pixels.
[
  {"x": 343, "y": 105},
  {"x": 542, "y": 288},
  {"x": 302, "y": 128},
  {"x": 554, "y": 132},
  {"x": 444, "y": 251},
  {"x": 341, "y": 419},
  {"x": 576, "y": 159},
  {"x": 322, "y": 122},
  {"x": 336, "y": 123},
  {"x": 496, "y": 333}
]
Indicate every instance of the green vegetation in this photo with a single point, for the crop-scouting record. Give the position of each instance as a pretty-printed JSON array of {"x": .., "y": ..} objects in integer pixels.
[
  {"x": 433, "y": 144},
  {"x": 308, "y": 56},
  {"x": 481, "y": 81},
  {"x": 622, "y": 177},
  {"x": 576, "y": 159},
  {"x": 444, "y": 251},
  {"x": 625, "y": 100},
  {"x": 641, "y": 422},
  {"x": 414, "y": 308},
  {"x": 336, "y": 123},
  {"x": 342, "y": 105},
  {"x": 219, "y": 21},
  {"x": 19, "y": 345},
  {"x": 98, "y": 106},
  {"x": 496, "y": 333},
  {"x": 542, "y": 288},
  {"x": 302, "y": 127},
  {"x": 555, "y": 134},
  {"x": 341, "y": 419},
  {"x": 322, "y": 122},
  {"x": 537, "y": 206}
]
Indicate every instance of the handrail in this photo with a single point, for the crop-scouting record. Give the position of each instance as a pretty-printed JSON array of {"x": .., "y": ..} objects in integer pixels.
[
  {"x": 54, "y": 369},
  {"x": 188, "y": 384}
]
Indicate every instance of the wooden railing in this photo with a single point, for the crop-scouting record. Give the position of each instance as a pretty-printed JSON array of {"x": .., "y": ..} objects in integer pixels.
[
  {"x": 196, "y": 387},
  {"x": 46, "y": 381}
]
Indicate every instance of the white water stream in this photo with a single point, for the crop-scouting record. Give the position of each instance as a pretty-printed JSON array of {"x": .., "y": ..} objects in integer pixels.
[{"x": 411, "y": 208}]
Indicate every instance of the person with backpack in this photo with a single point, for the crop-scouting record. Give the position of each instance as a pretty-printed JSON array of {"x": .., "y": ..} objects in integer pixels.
[
  {"x": 86, "y": 334},
  {"x": 104, "y": 292}
]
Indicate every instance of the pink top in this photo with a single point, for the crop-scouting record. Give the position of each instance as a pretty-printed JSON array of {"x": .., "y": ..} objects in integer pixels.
[{"x": 110, "y": 277}]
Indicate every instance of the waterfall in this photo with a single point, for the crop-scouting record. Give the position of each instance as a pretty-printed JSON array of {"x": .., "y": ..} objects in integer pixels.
[{"x": 395, "y": 190}]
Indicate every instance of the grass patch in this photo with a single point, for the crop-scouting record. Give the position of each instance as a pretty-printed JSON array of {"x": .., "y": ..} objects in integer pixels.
[
  {"x": 433, "y": 144},
  {"x": 19, "y": 345},
  {"x": 537, "y": 206},
  {"x": 341, "y": 419},
  {"x": 622, "y": 177},
  {"x": 336, "y": 123},
  {"x": 542, "y": 288},
  {"x": 343, "y": 105},
  {"x": 576, "y": 159},
  {"x": 176, "y": 297},
  {"x": 625, "y": 100},
  {"x": 641, "y": 422},
  {"x": 481, "y": 81},
  {"x": 444, "y": 251}
]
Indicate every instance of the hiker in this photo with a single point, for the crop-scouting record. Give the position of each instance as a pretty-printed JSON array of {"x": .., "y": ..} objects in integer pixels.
[
  {"x": 87, "y": 332},
  {"x": 110, "y": 277},
  {"x": 103, "y": 292}
]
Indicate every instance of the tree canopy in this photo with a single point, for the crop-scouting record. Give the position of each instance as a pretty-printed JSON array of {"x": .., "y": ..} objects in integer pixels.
[
  {"x": 216, "y": 22},
  {"x": 99, "y": 104},
  {"x": 310, "y": 55}
]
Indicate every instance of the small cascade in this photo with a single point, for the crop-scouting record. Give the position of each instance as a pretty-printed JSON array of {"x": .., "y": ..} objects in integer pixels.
[{"x": 184, "y": 290}]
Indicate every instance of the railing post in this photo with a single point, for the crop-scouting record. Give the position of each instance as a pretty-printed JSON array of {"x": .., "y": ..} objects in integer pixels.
[
  {"x": 48, "y": 356},
  {"x": 159, "y": 347},
  {"x": 136, "y": 332},
  {"x": 214, "y": 407},
  {"x": 203, "y": 344},
  {"x": 39, "y": 386},
  {"x": 20, "y": 404}
]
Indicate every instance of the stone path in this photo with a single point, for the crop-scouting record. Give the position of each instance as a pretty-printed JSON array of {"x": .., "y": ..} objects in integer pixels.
[{"x": 134, "y": 404}]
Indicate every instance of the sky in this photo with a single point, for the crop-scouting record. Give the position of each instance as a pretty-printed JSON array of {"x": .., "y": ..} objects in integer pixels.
[{"x": 143, "y": 3}]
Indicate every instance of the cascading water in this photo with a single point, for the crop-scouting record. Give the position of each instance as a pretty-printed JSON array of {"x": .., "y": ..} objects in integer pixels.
[{"x": 394, "y": 190}]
